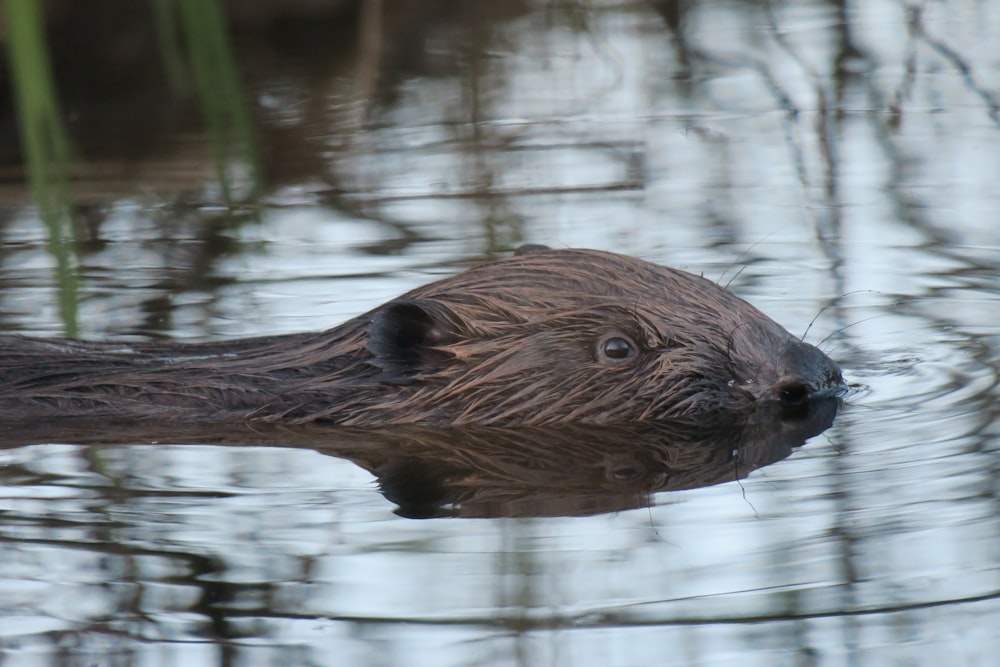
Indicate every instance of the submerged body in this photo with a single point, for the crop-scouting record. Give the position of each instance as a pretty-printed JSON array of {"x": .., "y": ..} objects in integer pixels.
[{"x": 544, "y": 337}]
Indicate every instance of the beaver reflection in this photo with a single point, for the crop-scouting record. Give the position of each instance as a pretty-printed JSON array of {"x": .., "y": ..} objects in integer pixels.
[
  {"x": 477, "y": 471},
  {"x": 575, "y": 471},
  {"x": 543, "y": 338}
]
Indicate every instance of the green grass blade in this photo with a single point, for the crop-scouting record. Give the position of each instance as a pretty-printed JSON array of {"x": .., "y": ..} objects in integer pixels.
[
  {"x": 217, "y": 81},
  {"x": 46, "y": 147}
]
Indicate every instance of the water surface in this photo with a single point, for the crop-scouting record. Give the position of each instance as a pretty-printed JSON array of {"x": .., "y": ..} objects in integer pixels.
[{"x": 834, "y": 163}]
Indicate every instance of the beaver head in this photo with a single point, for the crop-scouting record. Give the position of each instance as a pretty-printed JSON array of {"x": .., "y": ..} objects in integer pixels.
[{"x": 558, "y": 336}]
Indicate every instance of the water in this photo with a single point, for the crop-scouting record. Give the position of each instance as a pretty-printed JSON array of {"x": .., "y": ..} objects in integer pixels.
[{"x": 835, "y": 163}]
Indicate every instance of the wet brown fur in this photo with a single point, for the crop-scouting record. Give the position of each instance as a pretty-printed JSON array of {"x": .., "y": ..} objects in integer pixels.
[{"x": 509, "y": 343}]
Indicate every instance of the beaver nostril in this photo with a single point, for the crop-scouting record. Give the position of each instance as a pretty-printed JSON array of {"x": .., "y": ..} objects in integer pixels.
[{"x": 794, "y": 393}]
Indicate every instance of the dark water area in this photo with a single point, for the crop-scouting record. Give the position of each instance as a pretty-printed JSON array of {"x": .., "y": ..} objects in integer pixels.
[{"x": 834, "y": 163}]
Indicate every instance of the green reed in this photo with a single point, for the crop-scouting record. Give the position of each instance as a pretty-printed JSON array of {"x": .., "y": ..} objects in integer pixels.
[
  {"x": 197, "y": 56},
  {"x": 194, "y": 41},
  {"x": 46, "y": 147}
]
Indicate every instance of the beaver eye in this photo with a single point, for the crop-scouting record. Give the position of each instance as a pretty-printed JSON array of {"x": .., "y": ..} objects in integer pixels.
[{"x": 616, "y": 348}]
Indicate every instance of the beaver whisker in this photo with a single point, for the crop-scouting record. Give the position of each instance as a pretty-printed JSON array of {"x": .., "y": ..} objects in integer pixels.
[
  {"x": 827, "y": 306},
  {"x": 846, "y": 327}
]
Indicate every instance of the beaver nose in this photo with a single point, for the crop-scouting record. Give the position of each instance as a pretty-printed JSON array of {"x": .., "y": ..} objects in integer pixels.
[{"x": 805, "y": 374}]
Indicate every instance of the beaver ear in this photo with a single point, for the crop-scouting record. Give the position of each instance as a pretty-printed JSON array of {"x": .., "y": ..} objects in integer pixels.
[{"x": 401, "y": 337}]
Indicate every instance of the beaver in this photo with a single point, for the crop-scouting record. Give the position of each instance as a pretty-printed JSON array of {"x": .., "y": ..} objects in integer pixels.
[{"x": 544, "y": 337}]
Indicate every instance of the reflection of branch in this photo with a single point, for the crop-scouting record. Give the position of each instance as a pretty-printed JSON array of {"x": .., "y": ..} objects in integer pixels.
[
  {"x": 957, "y": 61},
  {"x": 733, "y": 62},
  {"x": 782, "y": 98},
  {"x": 905, "y": 88},
  {"x": 370, "y": 47},
  {"x": 598, "y": 618},
  {"x": 822, "y": 108},
  {"x": 822, "y": 102},
  {"x": 626, "y": 184},
  {"x": 779, "y": 38}
]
